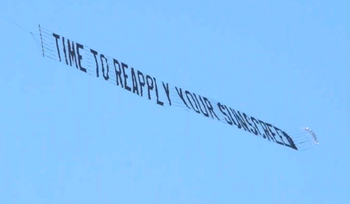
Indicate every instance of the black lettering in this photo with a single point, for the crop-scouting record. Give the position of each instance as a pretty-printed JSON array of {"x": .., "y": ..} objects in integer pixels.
[
  {"x": 232, "y": 118},
  {"x": 243, "y": 121},
  {"x": 239, "y": 120},
  {"x": 222, "y": 109},
  {"x": 256, "y": 123},
  {"x": 156, "y": 89},
  {"x": 80, "y": 57},
  {"x": 96, "y": 62},
  {"x": 166, "y": 88},
  {"x": 205, "y": 112},
  {"x": 267, "y": 132},
  {"x": 64, "y": 50},
  {"x": 291, "y": 143},
  {"x": 269, "y": 127},
  {"x": 181, "y": 96},
  {"x": 118, "y": 73},
  {"x": 125, "y": 77},
  {"x": 57, "y": 46},
  {"x": 210, "y": 108},
  {"x": 189, "y": 100},
  {"x": 143, "y": 82},
  {"x": 105, "y": 75},
  {"x": 280, "y": 134},
  {"x": 150, "y": 86},
  {"x": 135, "y": 88},
  {"x": 71, "y": 51},
  {"x": 252, "y": 128}
]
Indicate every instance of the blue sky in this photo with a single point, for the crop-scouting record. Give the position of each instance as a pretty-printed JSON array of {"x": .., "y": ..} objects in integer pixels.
[{"x": 67, "y": 137}]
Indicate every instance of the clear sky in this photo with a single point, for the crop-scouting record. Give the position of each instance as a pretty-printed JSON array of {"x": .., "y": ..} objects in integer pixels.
[{"x": 66, "y": 137}]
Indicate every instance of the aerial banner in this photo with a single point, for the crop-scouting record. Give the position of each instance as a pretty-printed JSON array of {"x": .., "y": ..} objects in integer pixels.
[{"x": 97, "y": 64}]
